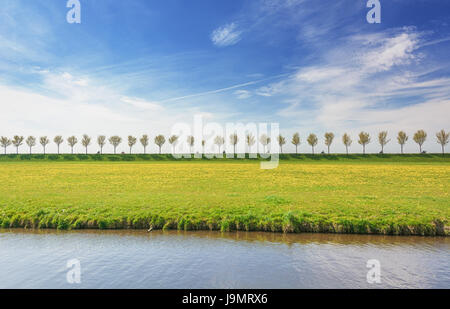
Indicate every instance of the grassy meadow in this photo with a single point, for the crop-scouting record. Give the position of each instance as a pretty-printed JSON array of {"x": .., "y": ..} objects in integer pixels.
[{"x": 400, "y": 195}]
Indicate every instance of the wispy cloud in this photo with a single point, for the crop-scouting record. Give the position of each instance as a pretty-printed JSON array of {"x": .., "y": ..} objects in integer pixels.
[
  {"x": 226, "y": 89},
  {"x": 386, "y": 52},
  {"x": 142, "y": 104},
  {"x": 226, "y": 35},
  {"x": 243, "y": 94}
]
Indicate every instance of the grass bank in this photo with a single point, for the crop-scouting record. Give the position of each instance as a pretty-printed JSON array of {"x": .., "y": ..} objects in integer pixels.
[
  {"x": 333, "y": 158},
  {"x": 329, "y": 196}
]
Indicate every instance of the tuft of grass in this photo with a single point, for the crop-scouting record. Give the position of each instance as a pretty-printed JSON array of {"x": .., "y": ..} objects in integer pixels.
[{"x": 275, "y": 200}]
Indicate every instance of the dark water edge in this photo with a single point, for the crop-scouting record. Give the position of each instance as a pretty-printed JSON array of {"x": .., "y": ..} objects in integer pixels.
[{"x": 179, "y": 259}]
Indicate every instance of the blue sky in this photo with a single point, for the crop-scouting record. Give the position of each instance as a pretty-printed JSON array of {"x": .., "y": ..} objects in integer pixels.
[{"x": 139, "y": 66}]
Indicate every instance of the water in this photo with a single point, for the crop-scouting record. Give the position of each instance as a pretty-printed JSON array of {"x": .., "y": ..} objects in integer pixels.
[{"x": 132, "y": 259}]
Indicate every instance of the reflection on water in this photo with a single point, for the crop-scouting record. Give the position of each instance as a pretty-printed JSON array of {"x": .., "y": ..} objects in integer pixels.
[{"x": 137, "y": 259}]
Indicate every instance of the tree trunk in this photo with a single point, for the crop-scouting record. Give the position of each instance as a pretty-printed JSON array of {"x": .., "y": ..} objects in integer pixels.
[
  {"x": 364, "y": 149},
  {"x": 328, "y": 149},
  {"x": 296, "y": 149},
  {"x": 346, "y": 149},
  {"x": 402, "y": 148},
  {"x": 159, "y": 149},
  {"x": 312, "y": 149}
]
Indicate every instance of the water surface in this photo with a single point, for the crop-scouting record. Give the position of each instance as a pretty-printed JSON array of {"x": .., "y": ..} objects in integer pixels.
[{"x": 137, "y": 259}]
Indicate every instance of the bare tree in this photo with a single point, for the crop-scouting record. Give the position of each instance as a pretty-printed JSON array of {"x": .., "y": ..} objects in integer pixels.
[
  {"x": 281, "y": 142},
  {"x": 160, "y": 140},
  {"x": 296, "y": 141},
  {"x": 5, "y": 142},
  {"x": 144, "y": 141},
  {"x": 420, "y": 137},
  {"x": 402, "y": 138},
  {"x": 131, "y": 142},
  {"x": 31, "y": 142},
  {"x": 17, "y": 141},
  {"x": 173, "y": 140},
  {"x": 219, "y": 141},
  {"x": 443, "y": 138},
  {"x": 101, "y": 141},
  {"x": 234, "y": 139},
  {"x": 364, "y": 139},
  {"x": 86, "y": 141},
  {"x": 44, "y": 142},
  {"x": 72, "y": 141},
  {"x": 115, "y": 141},
  {"x": 383, "y": 140},
  {"x": 346, "y": 139},
  {"x": 58, "y": 140},
  {"x": 265, "y": 141},
  {"x": 312, "y": 141},
  {"x": 329, "y": 137},
  {"x": 250, "y": 140},
  {"x": 190, "y": 141}
]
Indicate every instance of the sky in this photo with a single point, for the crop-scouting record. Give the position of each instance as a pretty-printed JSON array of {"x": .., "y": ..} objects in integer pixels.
[{"x": 139, "y": 67}]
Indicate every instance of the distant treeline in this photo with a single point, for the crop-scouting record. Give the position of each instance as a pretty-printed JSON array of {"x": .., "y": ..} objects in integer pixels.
[
  {"x": 246, "y": 157},
  {"x": 364, "y": 139}
]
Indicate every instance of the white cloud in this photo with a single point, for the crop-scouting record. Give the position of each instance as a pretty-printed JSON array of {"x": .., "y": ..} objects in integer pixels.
[
  {"x": 272, "y": 89},
  {"x": 316, "y": 74},
  {"x": 226, "y": 35},
  {"x": 392, "y": 51},
  {"x": 142, "y": 104},
  {"x": 243, "y": 94}
]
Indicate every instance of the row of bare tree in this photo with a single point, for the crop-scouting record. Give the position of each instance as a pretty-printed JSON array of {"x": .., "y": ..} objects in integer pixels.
[{"x": 364, "y": 139}]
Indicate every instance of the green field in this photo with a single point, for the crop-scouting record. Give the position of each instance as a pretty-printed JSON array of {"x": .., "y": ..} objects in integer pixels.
[{"x": 402, "y": 195}]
